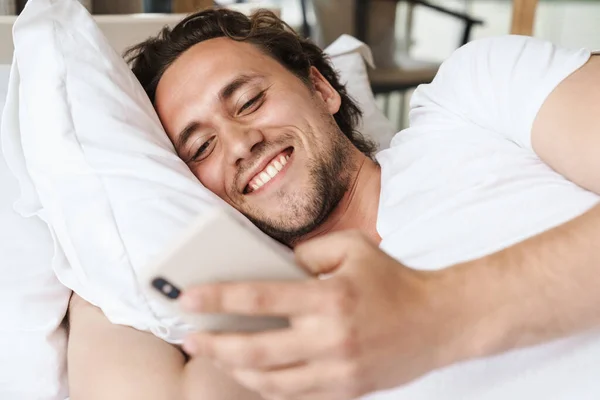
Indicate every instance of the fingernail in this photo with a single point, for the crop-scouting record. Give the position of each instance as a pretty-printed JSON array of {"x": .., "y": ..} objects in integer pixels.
[{"x": 190, "y": 346}]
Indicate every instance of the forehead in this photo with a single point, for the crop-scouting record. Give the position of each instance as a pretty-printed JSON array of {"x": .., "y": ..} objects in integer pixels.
[{"x": 209, "y": 65}]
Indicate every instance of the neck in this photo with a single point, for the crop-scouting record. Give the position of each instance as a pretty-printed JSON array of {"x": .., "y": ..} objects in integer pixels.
[{"x": 358, "y": 208}]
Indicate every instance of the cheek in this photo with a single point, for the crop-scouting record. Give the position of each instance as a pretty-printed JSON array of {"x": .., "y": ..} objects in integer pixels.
[
  {"x": 212, "y": 177},
  {"x": 290, "y": 105}
]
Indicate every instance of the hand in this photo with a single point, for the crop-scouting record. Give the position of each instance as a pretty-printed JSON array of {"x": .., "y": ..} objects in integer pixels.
[{"x": 373, "y": 324}]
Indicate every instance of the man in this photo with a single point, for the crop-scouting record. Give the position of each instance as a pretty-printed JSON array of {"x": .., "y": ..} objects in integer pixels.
[{"x": 263, "y": 122}]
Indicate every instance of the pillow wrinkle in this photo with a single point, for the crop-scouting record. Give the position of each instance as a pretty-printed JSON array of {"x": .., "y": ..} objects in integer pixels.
[
  {"x": 102, "y": 177},
  {"x": 110, "y": 207}
]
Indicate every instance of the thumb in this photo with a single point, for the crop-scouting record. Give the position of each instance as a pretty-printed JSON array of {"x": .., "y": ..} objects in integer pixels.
[{"x": 326, "y": 254}]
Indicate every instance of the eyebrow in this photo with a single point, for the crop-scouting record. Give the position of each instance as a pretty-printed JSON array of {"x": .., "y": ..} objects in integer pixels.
[
  {"x": 224, "y": 95},
  {"x": 187, "y": 133},
  {"x": 229, "y": 90}
]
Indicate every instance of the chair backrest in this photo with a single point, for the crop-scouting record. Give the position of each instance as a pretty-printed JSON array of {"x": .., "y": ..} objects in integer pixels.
[{"x": 523, "y": 17}]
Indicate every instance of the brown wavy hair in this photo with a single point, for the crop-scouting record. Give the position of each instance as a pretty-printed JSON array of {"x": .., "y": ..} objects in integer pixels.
[{"x": 151, "y": 58}]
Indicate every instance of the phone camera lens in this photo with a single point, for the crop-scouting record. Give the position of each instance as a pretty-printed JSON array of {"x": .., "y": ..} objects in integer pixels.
[{"x": 166, "y": 288}]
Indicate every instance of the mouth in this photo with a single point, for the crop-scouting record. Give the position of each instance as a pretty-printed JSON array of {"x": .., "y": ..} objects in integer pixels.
[{"x": 271, "y": 170}]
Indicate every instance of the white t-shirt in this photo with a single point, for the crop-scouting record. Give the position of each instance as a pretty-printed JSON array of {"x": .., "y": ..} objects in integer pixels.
[{"x": 463, "y": 182}]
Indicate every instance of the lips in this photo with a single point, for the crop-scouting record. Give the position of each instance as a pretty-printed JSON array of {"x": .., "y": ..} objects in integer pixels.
[{"x": 269, "y": 171}]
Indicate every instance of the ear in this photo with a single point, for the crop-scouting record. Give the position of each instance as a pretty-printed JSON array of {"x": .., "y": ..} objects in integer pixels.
[{"x": 325, "y": 91}]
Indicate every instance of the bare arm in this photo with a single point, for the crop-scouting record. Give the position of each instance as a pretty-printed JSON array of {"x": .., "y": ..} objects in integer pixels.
[
  {"x": 203, "y": 381},
  {"x": 539, "y": 290},
  {"x": 115, "y": 362},
  {"x": 548, "y": 286},
  {"x": 566, "y": 132}
]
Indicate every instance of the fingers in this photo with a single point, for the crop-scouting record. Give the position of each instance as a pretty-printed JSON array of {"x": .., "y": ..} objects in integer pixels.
[
  {"x": 336, "y": 296},
  {"x": 286, "y": 383},
  {"x": 306, "y": 381},
  {"x": 254, "y": 298},
  {"x": 271, "y": 349},
  {"x": 326, "y": 254},
  {"x": 308, "y": 339}
]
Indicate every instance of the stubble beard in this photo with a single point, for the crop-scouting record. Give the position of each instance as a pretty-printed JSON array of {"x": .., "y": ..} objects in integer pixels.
[{"x": 330, "y": 173}]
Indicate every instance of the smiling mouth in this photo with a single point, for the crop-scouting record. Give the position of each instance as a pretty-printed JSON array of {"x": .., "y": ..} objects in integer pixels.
[{"x": 271, "y": 170}]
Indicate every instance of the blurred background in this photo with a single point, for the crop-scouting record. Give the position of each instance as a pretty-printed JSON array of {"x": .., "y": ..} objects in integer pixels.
[{"x": 409, "y": 38}]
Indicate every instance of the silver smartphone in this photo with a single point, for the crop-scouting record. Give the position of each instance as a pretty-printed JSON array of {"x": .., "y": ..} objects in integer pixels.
[{"x": 220, "y": 247}]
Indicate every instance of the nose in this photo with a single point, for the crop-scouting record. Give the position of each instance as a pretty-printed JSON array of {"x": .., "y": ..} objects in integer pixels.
[{"x": 239, "y": 142}]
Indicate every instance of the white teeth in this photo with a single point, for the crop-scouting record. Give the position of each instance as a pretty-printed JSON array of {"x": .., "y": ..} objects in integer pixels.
[
  {"x": 269, "y": 173},
  {"x": 264, "y": 177},
  {"x": 272, "y": 171}
]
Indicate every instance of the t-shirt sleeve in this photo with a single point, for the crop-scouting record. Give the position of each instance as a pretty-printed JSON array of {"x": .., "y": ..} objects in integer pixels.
[{"x": 498, "y": 84}]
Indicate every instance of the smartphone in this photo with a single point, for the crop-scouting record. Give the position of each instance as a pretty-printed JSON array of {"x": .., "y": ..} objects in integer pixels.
[{"x": 220, "y": 247}]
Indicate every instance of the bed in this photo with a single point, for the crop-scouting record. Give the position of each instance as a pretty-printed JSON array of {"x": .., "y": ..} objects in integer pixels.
[
  {"x": 33, "y": 362},
  {"x": 33, "y": 299},
  {"x": 22, "y": 374}
]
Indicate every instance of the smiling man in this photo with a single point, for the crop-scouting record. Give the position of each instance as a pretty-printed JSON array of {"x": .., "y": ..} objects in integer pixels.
[
  {"x": 490, "y": 197},
  {"x": 262, "y": 143},
  {"x": 275, "y": 139}
]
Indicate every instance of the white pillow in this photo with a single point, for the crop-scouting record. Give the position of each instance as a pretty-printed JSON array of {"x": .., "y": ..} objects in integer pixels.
[
  {"x": 350, "y": 56},
  {"x": 32, "y": 301},
  {"x": 108, "y": 180}
]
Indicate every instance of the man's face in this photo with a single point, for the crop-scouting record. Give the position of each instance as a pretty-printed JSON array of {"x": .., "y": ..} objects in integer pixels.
[{"x": 256, "y": 135}]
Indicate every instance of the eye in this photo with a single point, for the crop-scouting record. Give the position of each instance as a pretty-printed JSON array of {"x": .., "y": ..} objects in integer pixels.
[
  {"x": 252, "y": 102},
  {"x": 204, "y": 150}
]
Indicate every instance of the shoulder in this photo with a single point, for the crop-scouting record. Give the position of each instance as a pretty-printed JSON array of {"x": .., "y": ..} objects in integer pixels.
[{"x": 510, "y": 54}]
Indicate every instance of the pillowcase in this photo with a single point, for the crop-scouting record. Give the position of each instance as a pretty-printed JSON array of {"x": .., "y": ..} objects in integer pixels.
[
  {"x": 106, "y": 177},
  {"x": 32, "y": 300},
  {"x": 350, "y": 57}
]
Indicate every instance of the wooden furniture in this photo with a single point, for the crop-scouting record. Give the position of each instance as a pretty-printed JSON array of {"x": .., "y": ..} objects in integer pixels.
[
  {"x": 523, "y": 17},
  {"x": 408, "y": 73},
  {"x": 362, "y": 12},
  {"x": 117, "y": 6},
  {"x": 189, "y": 6},
  {"x": 136, "y": 6}
]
